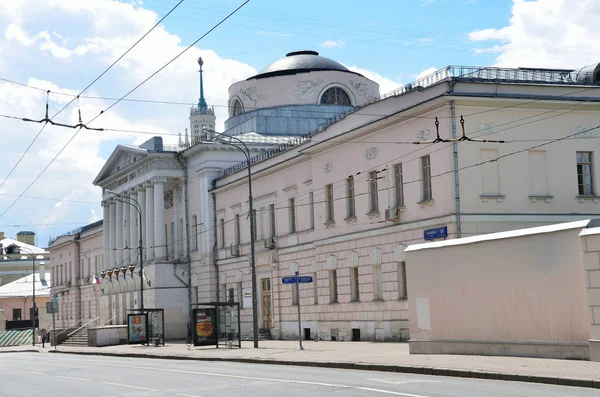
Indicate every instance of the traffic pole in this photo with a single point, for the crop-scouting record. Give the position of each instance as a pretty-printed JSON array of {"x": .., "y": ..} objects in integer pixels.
[{"x": 298, "y": 301}]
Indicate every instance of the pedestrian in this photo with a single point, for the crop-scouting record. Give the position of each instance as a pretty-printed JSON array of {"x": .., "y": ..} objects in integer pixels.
[{"x": 44, "y": 336}]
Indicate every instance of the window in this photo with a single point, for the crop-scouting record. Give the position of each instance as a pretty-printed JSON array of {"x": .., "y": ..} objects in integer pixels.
[
  {"x": 194, "y": 236},
  {"x": 402, "y": 291},
  {"x": 180, "y": 239},
  {"x": 222, "y": 232},
  {"x": 17, "y": 315},
  {"x": 236, "y": 108},
  {"x": 398, "y": 186},
  {"x": 333, "y": 286},
  {"x": 373, "y": 192},
  {"x": 585, "y": 173},
  {"x": 350, "y": 204},
  {"x": 377, "y": 283},
  {"x": 173, "y": 242},
  {"x": 292, "y": 208},
  {"x": 335, "y": 96},
  {"x": 354, "y": 290},
  {"x": 329, "y": 202},
  {"x": 311, "y": 208},
  {"x": 89, "y": 266},
  {"x": 254, "y": 228},
  {"x": 272, "y": 224},
  {"x": 238, "y": 235},
  {"x": 426, "y": 193}
]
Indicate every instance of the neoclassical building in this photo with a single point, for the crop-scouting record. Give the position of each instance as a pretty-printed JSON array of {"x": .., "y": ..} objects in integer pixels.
[{"x": 344, "y": 179}]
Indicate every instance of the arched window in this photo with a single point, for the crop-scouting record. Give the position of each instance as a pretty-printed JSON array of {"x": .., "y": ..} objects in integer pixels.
[
  {"x": 335, "y": 96},
  {"x": 236, "y": 108}
]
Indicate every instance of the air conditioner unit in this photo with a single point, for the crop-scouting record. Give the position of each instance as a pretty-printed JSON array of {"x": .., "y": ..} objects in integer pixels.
[
  {"x": 269, "y": 243},
  {"x": 234, "y": 250},
  {"x": 392, "y": 214}
]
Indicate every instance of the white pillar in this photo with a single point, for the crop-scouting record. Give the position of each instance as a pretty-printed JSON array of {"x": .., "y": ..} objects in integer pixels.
[
  {"x": 127, "y": 241},
  {"x": 105, "y": 234},
  {"x": 160, "y": 238},
  {"x": 176, "y": 213},
  {"x": 113, "y": 234},
  {"x": 133, "y": 228},
  {"x": 149, "y": 237},
  {"x": 119, "y": 246},
  {"x": 142, "y": 200}
]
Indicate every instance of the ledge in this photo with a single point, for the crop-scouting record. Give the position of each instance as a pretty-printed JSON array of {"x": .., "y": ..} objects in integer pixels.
[
  {"x": 350, "y": 219},
  {"x": 584, "y": 198},
  {"x": 373, "y": 214},
  {"x": 329, "y": 224},
  {"x": 487, "y": 197},
  {"x": 423, "y": 203},
  {"x": 534, "y": 198}
]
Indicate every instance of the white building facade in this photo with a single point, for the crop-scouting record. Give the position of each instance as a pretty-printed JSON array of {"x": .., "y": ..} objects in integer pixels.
[{"x": 343, "y": 181}]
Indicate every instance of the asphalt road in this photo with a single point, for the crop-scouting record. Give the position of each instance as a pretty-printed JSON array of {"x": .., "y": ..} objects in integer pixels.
[{"x": 63, "y": 375}]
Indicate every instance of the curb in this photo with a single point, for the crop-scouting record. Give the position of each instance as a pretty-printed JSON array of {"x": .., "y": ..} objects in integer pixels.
[
  {"x": 20, "y": 351},
  {"x": 407, "y": 369}
]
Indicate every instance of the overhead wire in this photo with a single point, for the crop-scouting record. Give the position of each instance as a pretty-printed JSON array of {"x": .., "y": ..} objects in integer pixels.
[
  {"x": 82, "y": 91},
  {"x": 116, "y": 102}
]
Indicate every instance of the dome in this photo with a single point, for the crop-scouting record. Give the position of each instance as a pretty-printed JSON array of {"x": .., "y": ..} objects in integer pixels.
[{"x": 301, "y": 62}]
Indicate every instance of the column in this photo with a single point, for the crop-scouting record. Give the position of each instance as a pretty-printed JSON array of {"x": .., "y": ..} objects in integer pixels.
[
  {"x": 141, "y": 192},
  {"x": 176, "y": 211},
  {"x": 149, "y": 237},
  {"x": 160, "y": 239},
  {"x": 113, "y": 234},
  {"x": 105, "y": 235},
  {"x": 126, "y": 240},
  {"x": 119, "y": 233},
  {"x": 133, "y": 228}
]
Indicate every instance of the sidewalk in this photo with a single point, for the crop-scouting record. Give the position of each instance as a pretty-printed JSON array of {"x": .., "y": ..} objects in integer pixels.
[{"x": 391, "y": 357}]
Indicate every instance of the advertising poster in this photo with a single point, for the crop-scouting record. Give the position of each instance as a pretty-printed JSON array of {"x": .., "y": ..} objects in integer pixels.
[
  {"x": 137, "y": 325},
  {"x": 247, "y": 298},
  {"x": 205, "y": 327}
]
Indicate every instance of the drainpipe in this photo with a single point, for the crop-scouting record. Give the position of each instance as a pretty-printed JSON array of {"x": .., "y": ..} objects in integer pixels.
[
  {"x": 456, "y": 181},
  {"x": 186, "y": 232},
  {"x": 214, "y": 250},
  {"x": 78, "y": 279}
]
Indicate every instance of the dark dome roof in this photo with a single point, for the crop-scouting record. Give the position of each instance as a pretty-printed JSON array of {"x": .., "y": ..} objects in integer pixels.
[{"x": 300, "y": 62}]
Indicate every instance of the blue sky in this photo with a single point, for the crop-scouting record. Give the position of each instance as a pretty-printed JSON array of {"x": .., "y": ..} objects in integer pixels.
[{"x": 62, "y": 45}]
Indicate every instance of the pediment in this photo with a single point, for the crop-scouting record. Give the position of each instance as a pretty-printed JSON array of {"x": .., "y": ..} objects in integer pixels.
[{"x": 120, "y": 159}]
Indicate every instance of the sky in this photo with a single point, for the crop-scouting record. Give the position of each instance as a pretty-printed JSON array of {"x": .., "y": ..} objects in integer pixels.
[{"x": 63, "y": 45}]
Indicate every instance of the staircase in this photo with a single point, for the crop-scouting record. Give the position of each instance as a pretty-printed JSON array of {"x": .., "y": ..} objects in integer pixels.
[
  {"x": 264, "y": 334},
  {"x": 79, "y": 338},
  {"x": 15, "y": 337}
]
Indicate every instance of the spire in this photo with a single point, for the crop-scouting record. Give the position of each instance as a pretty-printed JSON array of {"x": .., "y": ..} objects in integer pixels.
[{"x": 201, "y": 102}]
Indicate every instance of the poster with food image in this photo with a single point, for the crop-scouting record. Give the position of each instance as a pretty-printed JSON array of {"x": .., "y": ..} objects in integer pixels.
[
  {"x": 205, "y": 327},
  {"x": 137, "y": 324}
]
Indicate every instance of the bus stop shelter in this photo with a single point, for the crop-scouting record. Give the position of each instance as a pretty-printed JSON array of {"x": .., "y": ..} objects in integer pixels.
[
  {"x": 217, "y": 324},
  {"x": 146, "y": 327}
]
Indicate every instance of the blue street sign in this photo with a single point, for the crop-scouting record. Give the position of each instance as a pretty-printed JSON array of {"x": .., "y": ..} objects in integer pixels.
[
  {"x": 437, "y": 233},
  {"x": 301, "y": 279}
]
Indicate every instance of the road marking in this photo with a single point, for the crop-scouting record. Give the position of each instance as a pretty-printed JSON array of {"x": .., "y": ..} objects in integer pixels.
[
  {"x": 70, "y": 377},
  {"x": 395, "y": 393},
  {"x": 401, "y": 382},
  {"x": 24, "y": 370},
  {"x": 186, "y": 395},
  {"x": 133, "y": 387}
]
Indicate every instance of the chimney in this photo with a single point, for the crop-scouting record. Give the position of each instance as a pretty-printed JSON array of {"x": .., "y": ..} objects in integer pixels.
[
  {"x": 42, "y": 272},
  {"x": 26, "y": 237}
]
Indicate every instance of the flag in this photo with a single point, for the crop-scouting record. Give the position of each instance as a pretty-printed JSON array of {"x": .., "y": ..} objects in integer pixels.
[{"x": 96, "y": 280}]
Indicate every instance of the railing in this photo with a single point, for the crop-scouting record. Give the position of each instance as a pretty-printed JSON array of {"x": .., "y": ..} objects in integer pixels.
[
  {"x": 108, "y": 321},
  {"x": 66, "y": 329},
  {"x": 83, "y": 326}
]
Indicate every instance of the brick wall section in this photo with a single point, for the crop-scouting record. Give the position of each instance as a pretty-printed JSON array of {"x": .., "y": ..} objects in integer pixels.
[{"x": 590, "y": 240}]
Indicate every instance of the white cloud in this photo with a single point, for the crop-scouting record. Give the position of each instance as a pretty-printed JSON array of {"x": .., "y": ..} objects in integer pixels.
[
  {"x": 426, "y": 72},
  {"x": 425, "y": 3},
  {"x": 545, "y": 33},
  {"x": 333, "y": 44}
]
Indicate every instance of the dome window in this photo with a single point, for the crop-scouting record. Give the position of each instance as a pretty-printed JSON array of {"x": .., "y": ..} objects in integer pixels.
[
  {"x": 335, "y": 96},
  {"x": 236, "y": 108}
]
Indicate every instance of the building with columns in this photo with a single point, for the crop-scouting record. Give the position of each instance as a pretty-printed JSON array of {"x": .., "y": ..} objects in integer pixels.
[{"x": 344, "y": 179}]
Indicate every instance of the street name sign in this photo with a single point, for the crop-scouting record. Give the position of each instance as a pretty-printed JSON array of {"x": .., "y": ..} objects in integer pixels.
[{"x": 301, "y": 279}]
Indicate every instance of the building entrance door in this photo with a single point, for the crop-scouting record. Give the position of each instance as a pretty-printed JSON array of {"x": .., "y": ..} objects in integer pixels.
[{"x": 266, "y": 303}]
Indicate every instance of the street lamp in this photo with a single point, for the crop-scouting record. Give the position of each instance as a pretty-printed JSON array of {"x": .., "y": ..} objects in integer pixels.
[
  {"x": 135, "y": 204},
  {"x": 246, "y": 152}
]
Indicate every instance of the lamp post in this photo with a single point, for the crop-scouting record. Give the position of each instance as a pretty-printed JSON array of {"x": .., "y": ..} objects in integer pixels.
[
  {"x": 135, "y": 204},
  {"x": 246, "y": 152}
]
